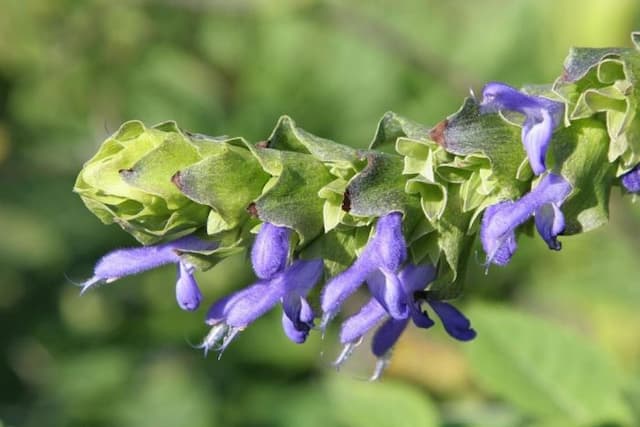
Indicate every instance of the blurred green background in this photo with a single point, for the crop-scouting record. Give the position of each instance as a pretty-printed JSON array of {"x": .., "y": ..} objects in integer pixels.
[{"x": 559, "y": 333}]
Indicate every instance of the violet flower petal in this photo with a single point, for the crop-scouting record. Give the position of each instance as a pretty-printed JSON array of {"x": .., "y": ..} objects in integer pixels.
[
  {"x": 188, "y": 294},
  {"x": 389, "y": 244},
  {"x": 631, "y": 180},
  {"x": 270, "y": 250},
  {"x": 542, "y": 116},
  {"x": 420, "y": 317},
  {"x": 298, "y": 280},
  {"x": 386, "y": 250},
  {"x": 498, "y": 247},
  {"x": 454, "y": 322},
  {"x": 550, "y": 224},
  {"x": 500, "y": 220},
  {"x": 296, "y": 335},
  {"x": 416, "y": 277},
  {"x": 131, "y": 261},
  {"x": 247, "y": 305},
  {"x": 356, "y": 326},
  {"x": 340, "y": 287},
  {"x": 536, "y": 135},
  {"x": 386, "y": 287},
  {"x": 387, "y": 335}
]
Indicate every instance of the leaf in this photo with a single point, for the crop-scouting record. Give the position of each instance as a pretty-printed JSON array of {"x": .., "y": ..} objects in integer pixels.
[
  {"x": 381, "y": 404},
  {"x": 581, "y": 60},
  {"x": 454, "y": 243},
  {"x": 392, "y": 126},
  {"x": 579, "y": 154},
  {"x": 340, "y": 401},
  {"x": 543, "y": 369},
  {"x": 379, "y": 188},
  {"x": 468, "y": 132},
  {"x": 293, "y": 200},
  {"x": 433, "y": 196},
  {"x": 228, "y": 181},
  {"x": 152, "y": 173},
  {"x": 286, "y": 136}
]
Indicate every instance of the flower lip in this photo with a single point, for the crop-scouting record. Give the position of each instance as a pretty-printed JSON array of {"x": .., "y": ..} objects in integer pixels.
[{"x": 456, "y": 324}]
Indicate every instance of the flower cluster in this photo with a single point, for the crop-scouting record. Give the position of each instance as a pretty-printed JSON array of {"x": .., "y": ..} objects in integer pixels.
[
  {"x": 393, "y": 285},
  {"x": 500, "y": 220},
  {"x": 397, "y": 289},
  {"x": 279, "y": 282}
]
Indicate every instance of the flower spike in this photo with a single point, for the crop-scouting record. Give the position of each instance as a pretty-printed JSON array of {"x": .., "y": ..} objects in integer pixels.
[{"x": 420, "y": 193}]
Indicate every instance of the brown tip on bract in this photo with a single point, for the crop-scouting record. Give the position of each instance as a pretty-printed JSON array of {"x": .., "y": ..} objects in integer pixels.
[
  {"x": 177, "y": 179},
  {"x": 252, "y": 210},
  {"x": 346, "y": 201},
  {"x": 437, "y": 132},
  {"x": 263, "y": 144}
]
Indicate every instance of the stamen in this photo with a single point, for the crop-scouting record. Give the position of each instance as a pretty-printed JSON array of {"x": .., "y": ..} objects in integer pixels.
[
  {"x": 324, "y": 322},
  {"x": 346, "y": 353},
  {"x": 216, "y": 333},
  {"x": 381, "y": 365},
  {"x": 231, "y": 334}
]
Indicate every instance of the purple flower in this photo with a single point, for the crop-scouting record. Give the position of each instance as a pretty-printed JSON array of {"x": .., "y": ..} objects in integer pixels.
[
  {"x": 631, "y": 180},
  {"x": 542, "y": 116},
  {"x": 127, "y": 262},
  {"x": 497, "y": 232},
  {"x": 270, "y": 250},
  {"x": 383, "y": 255},
  {"x": 412, "y": 279},
  {"x": 278, "y": 283}
]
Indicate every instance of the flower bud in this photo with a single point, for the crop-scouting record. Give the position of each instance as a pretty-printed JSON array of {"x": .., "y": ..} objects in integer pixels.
[{"x": 128, "y": 182}]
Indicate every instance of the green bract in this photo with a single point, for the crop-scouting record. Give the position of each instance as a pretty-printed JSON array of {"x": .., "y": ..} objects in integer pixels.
[{"x": 128, "y": 182}]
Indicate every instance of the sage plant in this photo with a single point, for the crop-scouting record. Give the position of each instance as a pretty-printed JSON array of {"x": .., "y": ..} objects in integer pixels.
[{"x": 320, "y": 219}]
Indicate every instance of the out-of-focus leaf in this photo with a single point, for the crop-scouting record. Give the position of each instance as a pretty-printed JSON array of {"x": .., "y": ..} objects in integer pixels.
[
  {"x": 340, "y": 401},
  {"x": 382, "y": 404},
  {"x": 166, "y": 394},
  {"x": 544, "y": 370},
  {"x": 28, "y": 240}
]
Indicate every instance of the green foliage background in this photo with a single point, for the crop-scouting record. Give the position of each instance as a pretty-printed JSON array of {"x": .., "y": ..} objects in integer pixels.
[{"x": 559, "y": 333}]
